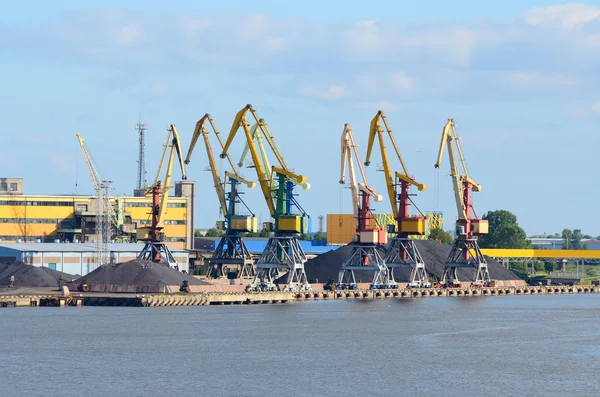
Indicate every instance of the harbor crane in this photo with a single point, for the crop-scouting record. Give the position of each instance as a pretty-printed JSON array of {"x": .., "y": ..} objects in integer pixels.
[
  {"x": 465, "y": 251},
  {"x": 283, "y": 250},
  {"x": 104, "y": 211},
  {"x": 402, "y": 251},
  {"x": 231, "y": 250},
  {"x": 155, "y": 248},
  {"x": 366, "y": 254}
]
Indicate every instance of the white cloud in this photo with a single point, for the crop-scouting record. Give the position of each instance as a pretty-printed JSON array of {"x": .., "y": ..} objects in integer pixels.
[
  {"x": 129, "y": 34},
  {"x": 596, "y": 107},
  {"x": 534, "y": 79},
  {"x": 275, "y": 44},
  {"x": 331, "y": 92},
  {"x": 197, "y": 23},
  {"x": 364, "y": 39},
  {"x": 402, "y": 82},
  {"x": 566, "y": 16},
  {"x": 160, "y": 88}
]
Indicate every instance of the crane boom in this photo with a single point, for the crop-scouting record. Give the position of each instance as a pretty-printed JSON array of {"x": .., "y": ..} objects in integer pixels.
[
  {"x": 175, "y": 148},
  {"x": 88, "y": 161},
  {"x": 377, "y": 130},
  {"x": 218, "y": 183},
  {"x": 448, "y": 137},
  {"x": 263, "y": 177},
  {"x": 349, "y": 152}
]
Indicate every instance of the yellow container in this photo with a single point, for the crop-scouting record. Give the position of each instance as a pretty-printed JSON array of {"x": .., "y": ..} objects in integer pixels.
[
  {"x": 479, "y": 226},
  {"x": 290, "y": 223},
  {"x": 413, "y": 226},
  {"x": 241, "y": 223}
]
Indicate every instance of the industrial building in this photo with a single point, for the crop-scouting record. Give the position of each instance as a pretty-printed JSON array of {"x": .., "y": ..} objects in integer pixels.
[
  {"x": 76, "y": 258},
  {"x": 71, "y": 218}
]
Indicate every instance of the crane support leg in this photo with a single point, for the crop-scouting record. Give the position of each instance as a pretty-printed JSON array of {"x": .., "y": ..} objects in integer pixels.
[
  {"x": 281, "y": 252},
  {"x": 461, "y": 256},
  {"x": 158, "y": 252},
  {"x": 364, "y": 257},
  {"x": 403, "y": 253},
  {"x": 231, "y": 252}
]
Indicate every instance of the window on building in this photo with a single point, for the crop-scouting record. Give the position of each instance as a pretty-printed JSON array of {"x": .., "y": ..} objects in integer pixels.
[
  {"x": 52, "y": 266},
  {"x": 3, "y": 186},
  {"x": 13, "y": 187}
]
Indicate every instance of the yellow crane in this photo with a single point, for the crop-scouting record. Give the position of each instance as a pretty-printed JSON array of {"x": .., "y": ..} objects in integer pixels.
[
  {"x": 231, "y": 250},
  {"x": 365, "y": 254},
  {"x": 283, "y": 250},
  {"x": 402, "y": 251},
  {"x": 155, "y": 249},
  {"x": 468, "y": 226}
]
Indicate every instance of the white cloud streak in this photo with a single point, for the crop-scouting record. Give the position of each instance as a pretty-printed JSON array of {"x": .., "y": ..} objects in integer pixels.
[{"x": 564, "y": 16}]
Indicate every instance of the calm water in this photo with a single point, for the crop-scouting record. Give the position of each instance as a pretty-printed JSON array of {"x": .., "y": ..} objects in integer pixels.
[{"x": 496, "y": 346}]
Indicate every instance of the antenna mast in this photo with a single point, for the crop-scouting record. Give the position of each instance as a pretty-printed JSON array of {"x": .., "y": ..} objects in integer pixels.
[{"x": 141, "y": 171}]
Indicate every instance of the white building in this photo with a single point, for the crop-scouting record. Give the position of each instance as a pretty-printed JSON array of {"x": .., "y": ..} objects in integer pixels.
[{"x": 76, "y": 258}]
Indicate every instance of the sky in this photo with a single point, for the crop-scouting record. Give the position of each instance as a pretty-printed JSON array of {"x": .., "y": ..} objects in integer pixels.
[{"x": 520, "y": 79}]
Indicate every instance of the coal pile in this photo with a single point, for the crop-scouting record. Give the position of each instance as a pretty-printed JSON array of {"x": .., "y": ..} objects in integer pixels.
[
  {"x": 326, "y": 266},
  {"x": 31, "y": 276},
  {"x": 138, "y": 273}
]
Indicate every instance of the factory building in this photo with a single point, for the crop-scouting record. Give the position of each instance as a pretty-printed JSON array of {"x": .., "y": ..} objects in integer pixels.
[
  {"x": 71, "y": 218},
  {"x": 75, "y": 258}
]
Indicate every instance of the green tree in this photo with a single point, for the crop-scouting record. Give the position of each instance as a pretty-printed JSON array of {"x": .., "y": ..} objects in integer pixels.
[
  {"x": 591, "y": 272},
  {"x": 567, "y": 237},
  {"x": 320, "y": 236},
  {"x": 550, "y": 265},
  {"x": 504, "y": 231},
  {"x": 197, "y": 233},
  {"x": 438, "y": 234},
  {"x": 577, "y": 237},
  {"x": 520, "y": 269},
  {"x": 539, "y": 266},
  {"x": 213, "y": 232}
]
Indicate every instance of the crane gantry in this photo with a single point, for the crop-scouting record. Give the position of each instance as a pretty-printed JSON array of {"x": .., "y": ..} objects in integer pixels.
[
  {"x": 402, "y": 251},
  {"x": 231, "y": 250},
  {"x": 465, "y": 251},
  {"x": 155, "y": 249},
  {"x": 365, "y": 254},
  {"x": 283, "y": 250}
]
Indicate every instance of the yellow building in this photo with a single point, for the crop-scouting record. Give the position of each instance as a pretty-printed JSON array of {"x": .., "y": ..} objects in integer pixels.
[{"x": 71, "y": 218}]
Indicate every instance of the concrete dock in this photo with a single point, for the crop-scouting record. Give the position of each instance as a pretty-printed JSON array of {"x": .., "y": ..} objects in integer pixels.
[{"x": 245, "y": 298}]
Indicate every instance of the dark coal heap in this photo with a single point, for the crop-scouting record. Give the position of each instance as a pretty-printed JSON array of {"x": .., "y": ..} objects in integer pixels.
[
  {"x": 31, "y": 276},
  {"x": 139, "y": 273}
]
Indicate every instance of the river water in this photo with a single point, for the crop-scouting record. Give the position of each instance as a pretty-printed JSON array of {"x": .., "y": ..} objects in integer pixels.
[{"x": 474, "y": 346}]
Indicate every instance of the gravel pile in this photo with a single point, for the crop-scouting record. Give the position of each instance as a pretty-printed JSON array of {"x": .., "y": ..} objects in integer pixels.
[
  {"x": 31, "y": 276},
  {"x": 139, "y": 273},
  {"x": 326, "y": 266}
]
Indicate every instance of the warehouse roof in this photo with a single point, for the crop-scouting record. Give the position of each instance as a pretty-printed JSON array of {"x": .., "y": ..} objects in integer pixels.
[{"x": 75, "y": 247}]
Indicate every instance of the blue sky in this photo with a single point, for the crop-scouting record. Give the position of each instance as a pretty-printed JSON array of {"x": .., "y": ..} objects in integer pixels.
[{"x": 520, "y": 78}]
